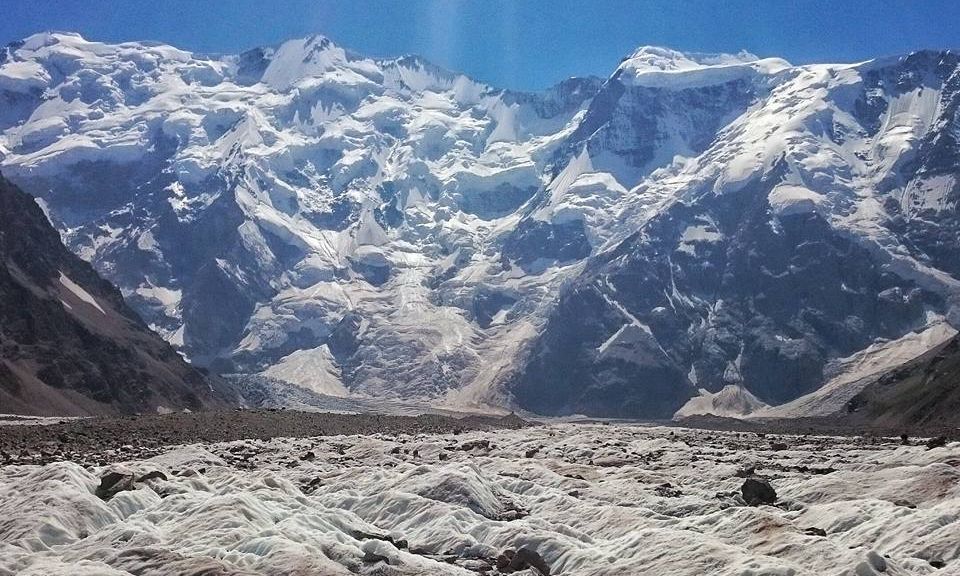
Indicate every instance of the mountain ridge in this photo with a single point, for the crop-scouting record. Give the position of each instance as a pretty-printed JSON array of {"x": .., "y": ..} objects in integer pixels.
[
  {"x": 383, "y": 227},
  {"x": 70, "y": 345}
]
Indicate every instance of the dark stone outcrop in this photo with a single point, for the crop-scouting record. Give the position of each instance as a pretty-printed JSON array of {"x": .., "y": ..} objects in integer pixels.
[{"x": 757, "y": 491}]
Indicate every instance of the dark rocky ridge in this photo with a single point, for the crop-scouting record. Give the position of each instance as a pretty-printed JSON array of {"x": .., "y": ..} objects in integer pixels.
[
  {"x": 921, "y": 394},
  {"x": 60, "y": 355}
]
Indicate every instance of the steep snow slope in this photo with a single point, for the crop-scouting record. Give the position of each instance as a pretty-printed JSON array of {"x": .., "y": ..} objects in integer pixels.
[
  {"x": 293, "y": 202},
  {"x": 69, "y": 345},
  {"x": 386, "y": 227}
]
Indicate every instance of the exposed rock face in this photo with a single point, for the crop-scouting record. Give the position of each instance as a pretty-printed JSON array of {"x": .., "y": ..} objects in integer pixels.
[
  {"x": 69, "y": 345},
  {"x": 113, "y": 483},
  {"x": 757, "y": 299}
]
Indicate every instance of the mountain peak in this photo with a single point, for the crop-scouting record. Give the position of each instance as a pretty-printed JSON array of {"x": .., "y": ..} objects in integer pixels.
[
  {"x": 315, "y": 55},
  {"x": 656, "y": 66},
  {"x": 660, "y": 58},
  {"x": 48, "y": 38}
]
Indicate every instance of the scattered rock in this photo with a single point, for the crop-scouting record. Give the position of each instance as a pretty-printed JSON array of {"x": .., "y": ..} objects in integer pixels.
[
  {"x": 400, "y": 543},
  {"x": 938, "y": 442},
  {"x": 152, "y": 475},
  {"x": 938, "y": 564},
  {"x": 504, "y": 559},
  {"x": 113, "y": 483},
  {"x": 815, "y": 531},
  {"x": 815, "y": 469},
  {"x": 905, "y": 439},
  {"x": 778, "y": 446},
  {"x": 757, "y": 491},
  {"x": 309, "y": 456},
  {"x": 745, "y": 472},
  {"x": 904, "y": 503},
  {"x": 512, "y": 512},
  {"x": 475, "y": 444},
  {"x": 666, "y": 490},
  {"x": 477, "y": 565},
  {"x": 531, "y": 453},
  {"x": 876, "y": 561},
  {"x": 373, "y": 558},
  {"x": 527, "y": 558}
]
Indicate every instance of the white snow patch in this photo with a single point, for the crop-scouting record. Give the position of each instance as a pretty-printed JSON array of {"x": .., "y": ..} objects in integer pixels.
[
  {"x": 79, "y": 292},
  {"x": 787, "y": 199},
  {"x": 697, "y": 233}
]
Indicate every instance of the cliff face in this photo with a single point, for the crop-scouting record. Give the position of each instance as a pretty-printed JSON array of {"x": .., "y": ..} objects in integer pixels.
[{"x": 69, "y": 345}]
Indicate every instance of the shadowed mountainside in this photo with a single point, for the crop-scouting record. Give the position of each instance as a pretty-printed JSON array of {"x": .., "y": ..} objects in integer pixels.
[{"x": 69, "y": 345}]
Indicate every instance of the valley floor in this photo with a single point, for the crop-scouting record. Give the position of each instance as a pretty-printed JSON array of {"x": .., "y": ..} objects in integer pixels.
[{"x": 590, "y": 499}]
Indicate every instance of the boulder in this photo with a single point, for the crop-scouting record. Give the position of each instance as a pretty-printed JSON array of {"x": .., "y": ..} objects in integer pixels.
[
  {"x": 757, "y": 491},
  {"x": 515, "y": 560},
  {"x": 938, "y": 442},
  {"x": 112, "y": 483},
  {"x": 152, "y": 475}
]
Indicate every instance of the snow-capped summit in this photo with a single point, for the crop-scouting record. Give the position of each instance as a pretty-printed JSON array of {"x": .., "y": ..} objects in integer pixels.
[
  {"x": 659, "y": 58},
  {"x": 300, "y": 60},
  {"x": 390, "y": 228},
  {"x": 654, "y": 66}
]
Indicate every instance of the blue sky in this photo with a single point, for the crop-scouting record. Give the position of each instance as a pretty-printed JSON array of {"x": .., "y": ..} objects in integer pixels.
[{"x": 526, "y": 44}]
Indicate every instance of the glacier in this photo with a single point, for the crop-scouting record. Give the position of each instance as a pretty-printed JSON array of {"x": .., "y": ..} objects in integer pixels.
[{"x": 591, "y": 499}]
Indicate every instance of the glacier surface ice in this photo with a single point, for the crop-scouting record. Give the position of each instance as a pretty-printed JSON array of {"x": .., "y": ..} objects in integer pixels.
[{"x": 592, "y": 499}]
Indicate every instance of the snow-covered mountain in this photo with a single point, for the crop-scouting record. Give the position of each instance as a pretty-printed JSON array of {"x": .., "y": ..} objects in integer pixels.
[{"x": 389, "y": 228}]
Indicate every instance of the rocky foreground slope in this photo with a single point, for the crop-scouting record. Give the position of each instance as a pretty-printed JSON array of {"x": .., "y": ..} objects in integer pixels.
[
  {"x": 389, "y": 228},
  {"x": 69, "y": 345}
]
